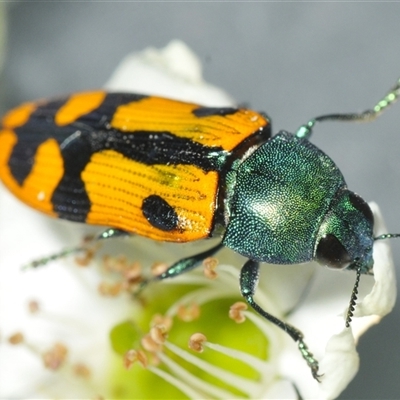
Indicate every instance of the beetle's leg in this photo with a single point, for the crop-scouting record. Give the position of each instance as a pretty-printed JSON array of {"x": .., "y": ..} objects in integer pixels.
[
  {"x": 40, "y": 262},
  {"x": 248, "y": 284},
  {"x": 183, "y": 265},
  {"x": 109, "y": 233},
  {"x": 305, "y": 131}
]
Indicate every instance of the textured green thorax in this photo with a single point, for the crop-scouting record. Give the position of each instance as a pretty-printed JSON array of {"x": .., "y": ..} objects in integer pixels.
[{"x": 281, "y": 195}]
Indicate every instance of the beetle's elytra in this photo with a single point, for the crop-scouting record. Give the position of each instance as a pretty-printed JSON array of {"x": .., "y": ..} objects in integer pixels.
[
  {"x": 145, "y": 165},
  {"x": 179, "y": 172}
]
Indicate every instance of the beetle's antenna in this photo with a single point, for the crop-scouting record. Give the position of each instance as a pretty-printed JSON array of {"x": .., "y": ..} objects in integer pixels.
[
  {"x": 353, "y": 299},
  {"x": 350, "y": 311},
  {"x": 305, "y": 131},
  {"x": 387, "y": 236}
]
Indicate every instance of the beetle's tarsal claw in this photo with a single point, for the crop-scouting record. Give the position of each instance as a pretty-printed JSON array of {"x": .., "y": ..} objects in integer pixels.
[{"x": 309, "y": 358}]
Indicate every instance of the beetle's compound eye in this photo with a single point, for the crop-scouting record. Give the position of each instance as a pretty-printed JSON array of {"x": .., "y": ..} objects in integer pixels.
[
  {"x": 331, "y": 252},
  {"x": 362, "y": 206}
]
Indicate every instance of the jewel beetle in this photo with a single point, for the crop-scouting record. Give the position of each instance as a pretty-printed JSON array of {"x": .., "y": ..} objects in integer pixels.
[{"x": 175, "y": 171}]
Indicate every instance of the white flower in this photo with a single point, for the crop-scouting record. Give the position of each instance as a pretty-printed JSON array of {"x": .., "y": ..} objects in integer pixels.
[{"x": 253, "y": 359}]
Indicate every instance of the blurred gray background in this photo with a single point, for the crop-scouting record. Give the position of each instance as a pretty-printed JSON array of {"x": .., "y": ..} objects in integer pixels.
[{"x": 292, "y": 60}]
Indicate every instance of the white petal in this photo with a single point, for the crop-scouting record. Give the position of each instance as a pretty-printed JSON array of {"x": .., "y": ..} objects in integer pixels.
[
  {"x": 173, "y": 72},
  {"x": 339, "y": 365}
]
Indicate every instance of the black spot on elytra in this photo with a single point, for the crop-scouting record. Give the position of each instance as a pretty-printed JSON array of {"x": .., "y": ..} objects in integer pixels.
[{"x": 159, "y": 213}]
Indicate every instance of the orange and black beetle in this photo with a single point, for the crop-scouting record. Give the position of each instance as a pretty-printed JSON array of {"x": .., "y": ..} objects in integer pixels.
[{"x": 179, "y": 172}]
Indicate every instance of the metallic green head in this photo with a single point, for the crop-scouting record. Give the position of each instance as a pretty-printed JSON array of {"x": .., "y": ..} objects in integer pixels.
[{"x": 288, "y": 203}]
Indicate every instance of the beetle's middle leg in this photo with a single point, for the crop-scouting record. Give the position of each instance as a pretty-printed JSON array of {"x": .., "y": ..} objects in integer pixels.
[{"x": 248, "y": 283}]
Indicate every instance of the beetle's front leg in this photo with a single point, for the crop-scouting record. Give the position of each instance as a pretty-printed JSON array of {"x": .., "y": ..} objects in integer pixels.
[
  {"x": 248, "y": 283},
  {"x": 183, "y": 265}
]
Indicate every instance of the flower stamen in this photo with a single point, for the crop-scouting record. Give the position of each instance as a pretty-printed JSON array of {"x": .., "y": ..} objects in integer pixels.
[
  {"x": 189, "y": 312},
  {"x": 236, "y": 312},
  {"x": 33, "y": 306},
  {"x": 16, "y": 338},
  {"x": 210, "y": 264},
  {"x": 149, "y": 344},
  {"x": 55, "y": 357},
  {"x": 247, "y": 386},
  {"x": 178, "y": 383},
  {"x": 131, "y": 356},
  {"x": 163, "y": 320},
  {"x": 196, "y": 382},
  {"x": 81, "y": 370},
  {"x": 158, "y": 268},
  {"x": 158, "y": 334},
  {"x": 196, "y": 342}
]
